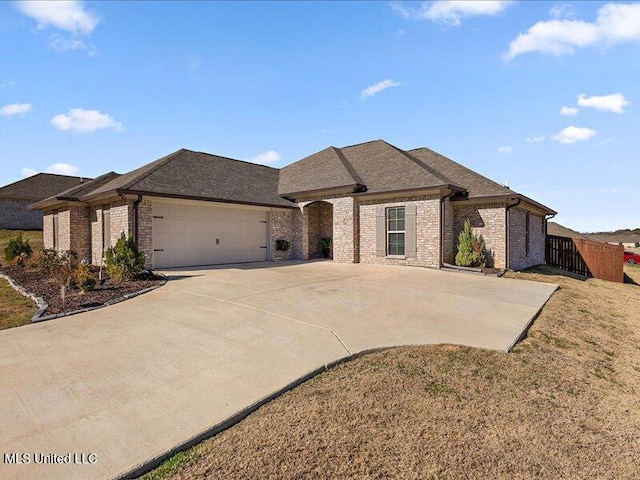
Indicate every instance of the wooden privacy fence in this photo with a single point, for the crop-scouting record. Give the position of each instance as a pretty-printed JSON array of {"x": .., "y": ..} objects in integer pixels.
[{"x": 586, "y": 257}]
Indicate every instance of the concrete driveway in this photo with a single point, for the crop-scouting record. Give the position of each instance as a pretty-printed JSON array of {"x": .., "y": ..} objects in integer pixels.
[{"x": 120, "y": 386}]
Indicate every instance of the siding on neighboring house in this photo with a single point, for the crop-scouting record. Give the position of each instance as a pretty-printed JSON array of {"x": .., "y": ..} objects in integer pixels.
[{"x": 15, "y": 216}]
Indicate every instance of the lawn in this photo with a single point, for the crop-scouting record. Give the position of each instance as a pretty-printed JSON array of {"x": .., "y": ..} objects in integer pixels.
[
  {"x": 563, "y": 403},
  {"x": 34, "y": 237},
  {"x": 16, "y": 309}
]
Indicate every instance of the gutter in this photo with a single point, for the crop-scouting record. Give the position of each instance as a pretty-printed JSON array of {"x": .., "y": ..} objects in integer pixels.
[
  {"x": 442, "y": 225},
  {"x": 506, "y": 224},
  {"x": 546, "y": 219}
]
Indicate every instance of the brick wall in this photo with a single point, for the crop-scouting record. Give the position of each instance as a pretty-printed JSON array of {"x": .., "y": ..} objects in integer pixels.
[
  {"x": 121, "y": 219},
  {"x": 427, "y": 230},
  {"x": 297, "y": 234},
  {"x": 145, "y": 231},
  {"x": 281, "y": 228},
  {"x": 449, "y": 233},
  {"x": 64, "y": 228},
  {"x": 320, "y": 225},
  {"x": 518, "y": 257},
  {"x": 488, "y": 220},
  {"x": 47, "y": 229},
  {"x": 15, "y": 216},
  {"x": 80, "y": 232},
  {"x": 95, "y": 222}
]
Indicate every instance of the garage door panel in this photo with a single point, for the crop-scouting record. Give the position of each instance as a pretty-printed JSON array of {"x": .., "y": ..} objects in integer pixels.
[{"x": 187, "y": 235}]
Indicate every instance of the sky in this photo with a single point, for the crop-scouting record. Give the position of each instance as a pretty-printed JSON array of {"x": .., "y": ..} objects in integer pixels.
[{"x": 542, "y": 95}]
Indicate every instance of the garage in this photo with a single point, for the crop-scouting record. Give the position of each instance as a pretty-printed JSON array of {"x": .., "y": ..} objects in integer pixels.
[{"x": 204, "y": 233}]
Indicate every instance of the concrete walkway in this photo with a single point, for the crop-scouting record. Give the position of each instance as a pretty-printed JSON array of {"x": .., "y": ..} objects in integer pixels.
[{"x": 130, "y": 382}]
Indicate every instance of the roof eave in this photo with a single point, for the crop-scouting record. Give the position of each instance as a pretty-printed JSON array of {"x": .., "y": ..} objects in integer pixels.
[
  {"x": 203, "y": 199},
  {"x": 514, "y": 196},
  {"x": 432, "y": 188},
  {"x": 354, "y": 187}
]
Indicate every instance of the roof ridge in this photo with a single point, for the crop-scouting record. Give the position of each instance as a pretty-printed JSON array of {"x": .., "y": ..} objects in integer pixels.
[
  {"x": 161, "y": 163},
  {"x": 364, "y": 143},
  {"x": 229, "y": 158},
  {"x": 424, "y": 166},
  {"x": 462, "y": 166},
  {"x": 78, "y": 188},
  {"x": 354, "y": 175}
]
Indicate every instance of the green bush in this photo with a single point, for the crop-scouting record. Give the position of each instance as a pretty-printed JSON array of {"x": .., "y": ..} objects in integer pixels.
[
  {"x": 472, "y": 251},
  {"x": 16, "y": 248},
  {"x": 123, "y": 261},
  {"x": 84, "y": 277}
]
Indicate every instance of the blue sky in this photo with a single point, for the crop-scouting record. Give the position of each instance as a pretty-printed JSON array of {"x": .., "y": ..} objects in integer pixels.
[{"x": 91, "y": 87}]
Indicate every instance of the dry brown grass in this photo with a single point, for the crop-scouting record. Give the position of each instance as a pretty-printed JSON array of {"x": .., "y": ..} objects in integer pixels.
[
  {"x": 34, "y": 237},
  {"x": 15, "y": 309},
  {"x": 563, "y": 403}
]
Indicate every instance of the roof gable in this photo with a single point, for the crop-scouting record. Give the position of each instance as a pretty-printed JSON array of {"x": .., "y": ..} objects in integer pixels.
[{"x": 40, "y": 186}]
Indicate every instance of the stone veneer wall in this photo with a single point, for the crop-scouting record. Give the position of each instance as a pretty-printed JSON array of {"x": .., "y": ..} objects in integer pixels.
[
  {"x": 15, "y": 216},
  {"x": 281, "y": 228},
  {"x": 427, "y": 230},
  {"x": 47, "y": 229},
  {"x": 488, "y": 220},
  {"x": 518, "y": 258}
]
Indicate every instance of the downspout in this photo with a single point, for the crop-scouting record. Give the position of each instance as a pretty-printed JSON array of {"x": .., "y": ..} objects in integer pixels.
[
  {"x": 135, "y": 218},
  {"x": 442, "y": 226},
  {"x": 546, "y": 219},
  {"x": 507, "y": 239}
]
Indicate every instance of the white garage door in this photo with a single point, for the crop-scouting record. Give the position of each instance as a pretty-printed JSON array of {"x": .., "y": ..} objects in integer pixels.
[{"x": 207, "y": 234}]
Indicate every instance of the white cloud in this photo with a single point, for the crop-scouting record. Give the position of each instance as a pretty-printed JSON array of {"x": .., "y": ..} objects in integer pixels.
[
  {"x": 15, "y": 109},
  {"x": 616, "y": 23},
  {"x": 79, "y": 120},
  {"x": 612, "y": 103},
  {"x": 62, "y": 44},
  {"x": 267, "y": 157},
  {"x": 8, "y": 84},
  {"x": 574, "y": 134},
  {"x": 62, "y": 169},
  {"x": 505, "y": 149},
  {"x": 535, "y": 139},
  {"x": 569, "y": 111},
  {"x": 27, "y": 172},
  {"x": 377, "y": 88},
  {"x": 450, "y": 12},
  {"x": 562, "y": 10},
  {"x": 70, "y": 16}
]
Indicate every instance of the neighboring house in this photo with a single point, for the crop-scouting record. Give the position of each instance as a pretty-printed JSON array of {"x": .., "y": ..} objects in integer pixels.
[
  {"x": 558, "y": 230},
  {"x": 15, "y": 197},
  {"x": 380, "y": 205}
]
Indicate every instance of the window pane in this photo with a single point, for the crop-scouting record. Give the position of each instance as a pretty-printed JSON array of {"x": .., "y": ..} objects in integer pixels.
[
  {"x": 395, "y": 244},
  {"x": 400, "y": 213},
  {"x": 400, "y": 224},
  {"x": 391, "y": 213},
  {"x": 393, "y": 224}
]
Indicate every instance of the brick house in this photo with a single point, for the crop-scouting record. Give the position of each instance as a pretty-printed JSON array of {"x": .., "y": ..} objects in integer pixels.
[
  {"x": 379, "y": 204},
  {"x": 17, "y": 196}
]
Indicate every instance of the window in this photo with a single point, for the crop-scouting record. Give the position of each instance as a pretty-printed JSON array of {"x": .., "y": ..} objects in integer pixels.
[
  {"x": 526, "y": 233},
  {"x": 395, "y": 231}
]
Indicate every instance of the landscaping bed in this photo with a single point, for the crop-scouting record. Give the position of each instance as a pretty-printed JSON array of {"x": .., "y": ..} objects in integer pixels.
[{"x": 39, "y": 282}]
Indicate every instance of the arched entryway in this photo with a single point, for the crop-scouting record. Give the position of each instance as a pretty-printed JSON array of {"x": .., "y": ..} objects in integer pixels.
[{"x": 319, "y": 217}]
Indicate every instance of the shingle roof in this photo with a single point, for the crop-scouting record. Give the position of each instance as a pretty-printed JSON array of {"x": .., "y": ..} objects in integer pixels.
[
  {"x": 379, "y": 166},
  {"x": 554, "y": 228},
  {"x": 39, "y": 186},
  {"x": 74, "y": 193},
  {"x": 476, "y": 184},
  {"x": 197, "y": 175},
  {"x": 325, "y": 169}
]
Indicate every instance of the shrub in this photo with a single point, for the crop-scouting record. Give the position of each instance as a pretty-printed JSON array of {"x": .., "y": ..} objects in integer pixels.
[
  {"x": 83, "y": 276},
  {"x": 326, "y": 242},
  {"x": 63, "y": 266},
  {"x": 472, "y": 251},
  {"x": 282, "y": 245},
  {"x": 123, "y": 261},
  {"x": 16, "y": 247}
]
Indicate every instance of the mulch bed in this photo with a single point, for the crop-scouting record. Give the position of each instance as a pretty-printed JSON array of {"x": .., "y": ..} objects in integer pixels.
[{"x": 41, "y": 284}]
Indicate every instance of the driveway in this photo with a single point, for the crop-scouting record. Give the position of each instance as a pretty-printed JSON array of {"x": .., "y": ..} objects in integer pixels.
[{"x": 128, "y": 383}]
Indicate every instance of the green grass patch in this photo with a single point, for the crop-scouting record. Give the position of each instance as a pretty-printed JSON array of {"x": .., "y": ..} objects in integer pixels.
[
  {"x": 15, "y": 309},
  {"x": 172, "y": 465}
]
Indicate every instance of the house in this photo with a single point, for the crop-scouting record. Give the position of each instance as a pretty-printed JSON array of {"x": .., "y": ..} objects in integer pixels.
[
  {"x": 15, "y": 197},
  {"x": 380, "y": 204},
  {"x": 554, "y": 228}
]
